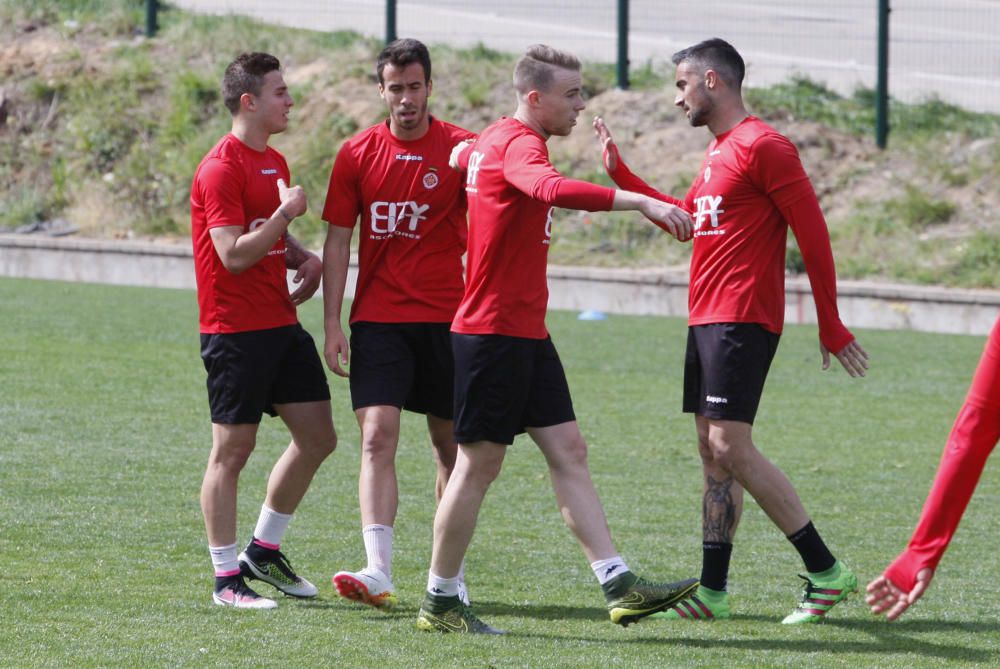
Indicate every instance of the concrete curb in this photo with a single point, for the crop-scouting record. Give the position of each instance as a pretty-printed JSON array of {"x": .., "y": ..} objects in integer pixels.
[{"x": 619, "y": 291}]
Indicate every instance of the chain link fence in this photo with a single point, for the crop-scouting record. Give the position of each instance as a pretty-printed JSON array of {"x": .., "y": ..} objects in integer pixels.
[{"x": 948, "y": 49}]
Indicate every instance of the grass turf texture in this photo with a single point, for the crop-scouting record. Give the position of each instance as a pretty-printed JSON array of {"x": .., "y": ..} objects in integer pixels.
[{"x": 104, "y": 433}]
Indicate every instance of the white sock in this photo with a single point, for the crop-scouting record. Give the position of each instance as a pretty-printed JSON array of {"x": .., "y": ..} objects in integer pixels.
[
  {"x": 271, "y": 527},
  {"x": 442, "y": 587},
  {"x": 224, "y": 560},
  {"x": 378, "y": 547},
  {"x": 605, "y": 570}
]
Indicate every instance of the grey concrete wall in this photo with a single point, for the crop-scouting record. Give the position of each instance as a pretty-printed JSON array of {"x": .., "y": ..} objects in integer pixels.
[{"x": 618, "y": 291}]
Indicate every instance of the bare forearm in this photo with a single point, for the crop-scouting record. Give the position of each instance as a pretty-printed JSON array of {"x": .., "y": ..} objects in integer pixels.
[
  {"x": 336, "y": 258},
  {"x": 240, "y": 250},
  {"x": 295, "y": 252}
]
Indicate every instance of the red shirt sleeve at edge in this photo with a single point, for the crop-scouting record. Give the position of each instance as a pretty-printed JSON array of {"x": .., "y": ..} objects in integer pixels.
[{"x": 806, "y": 220}]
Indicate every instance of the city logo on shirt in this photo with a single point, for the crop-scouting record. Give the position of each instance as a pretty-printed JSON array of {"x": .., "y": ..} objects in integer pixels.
[
  {"x": 256, "y": 223},
  {"x": 387, "y": 217},
  {"x": 708, "y": 207},
  {"x": 475, "y": 158},
  {"x": 431, "y": 179}
]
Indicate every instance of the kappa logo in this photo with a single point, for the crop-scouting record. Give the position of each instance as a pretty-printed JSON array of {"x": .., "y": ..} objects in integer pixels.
[
  {"x": 715, "y": 399},
  {"x": 408, "y": 156},
  {"x": 387, "y": 217},
  {"x": 269, "y": 171}
]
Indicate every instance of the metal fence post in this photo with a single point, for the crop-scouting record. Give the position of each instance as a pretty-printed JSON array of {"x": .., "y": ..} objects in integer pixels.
[
  {"x": 882, "y": 89},
  {"x": 151, "y": 7},
  {"x": 623, "y": 44},
  {"x": 390, "y": 21}
]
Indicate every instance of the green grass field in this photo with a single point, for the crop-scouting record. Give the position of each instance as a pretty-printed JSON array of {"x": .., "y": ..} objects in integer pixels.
[{"x": 104, "y": 433}]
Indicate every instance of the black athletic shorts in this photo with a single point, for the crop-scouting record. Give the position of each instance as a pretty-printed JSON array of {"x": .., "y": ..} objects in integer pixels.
[
  {"x": 405, "y": 365},
  {"x": 506, "y": 384},
  {"x": 725, "y": 368},
  {"x": 250, "y": 372}
]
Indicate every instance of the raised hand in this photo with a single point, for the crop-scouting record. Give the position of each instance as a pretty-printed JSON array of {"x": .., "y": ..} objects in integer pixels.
[
  {"x": 608, "y": 145},
  {"x": 293, "y": 199}
]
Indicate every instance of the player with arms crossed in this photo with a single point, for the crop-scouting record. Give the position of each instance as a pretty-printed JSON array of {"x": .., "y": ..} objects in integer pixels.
[
  {"x": 508, "y": 377},
  {"x": 973, "y": 437},
  {"x": 751, "y": 188},
  {"x": 395, "y": 177},
  {"x": 258, "y": 357}
]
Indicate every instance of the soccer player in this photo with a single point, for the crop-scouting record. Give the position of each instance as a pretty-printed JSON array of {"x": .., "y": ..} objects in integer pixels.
[
  {"x": 395, "y": 176},
  {"x": 751, "y": 188},
  {"x": 973, "y": 437},
  {"x": 257, "y": 355},
  {"x": 508, "y": 377}
]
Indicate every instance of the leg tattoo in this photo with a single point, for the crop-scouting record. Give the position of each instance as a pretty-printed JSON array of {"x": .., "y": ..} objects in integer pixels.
[{"x": 718, "y": 510}]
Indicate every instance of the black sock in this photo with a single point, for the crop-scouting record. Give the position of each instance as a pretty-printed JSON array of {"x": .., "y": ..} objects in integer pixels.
[
  {"x": 715, "y": 564},
  {"x": 816, "y": 556}
]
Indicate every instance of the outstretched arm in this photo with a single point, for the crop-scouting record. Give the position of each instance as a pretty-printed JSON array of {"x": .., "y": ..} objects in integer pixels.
[
  {"x": 973, "y": 437},
  {"x": 619, "y": 172}
]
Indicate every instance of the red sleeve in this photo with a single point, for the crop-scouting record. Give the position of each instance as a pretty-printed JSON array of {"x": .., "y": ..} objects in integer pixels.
[
  {"x": 222, "y": 186},
  {"x": 776, "y": 169},
  {"x": 626, "y": 179},
  {"x": 526, "y": 166},
  {"x": 343, "y": 196},
  {"x": 973, "y": 437}
]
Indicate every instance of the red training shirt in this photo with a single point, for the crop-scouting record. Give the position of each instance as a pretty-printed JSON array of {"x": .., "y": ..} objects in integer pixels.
[
  {"x": 751, "y": 188},
  {"x": 512, "y": 188},
  {"x": 413, "y": 228},
  {"x": 236, "y": 185}
]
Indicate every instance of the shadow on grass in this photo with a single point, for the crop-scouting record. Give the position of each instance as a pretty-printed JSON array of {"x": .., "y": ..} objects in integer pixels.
[
  {"x": 488, "y": 608},
  {"x": 886, "y": 639}
]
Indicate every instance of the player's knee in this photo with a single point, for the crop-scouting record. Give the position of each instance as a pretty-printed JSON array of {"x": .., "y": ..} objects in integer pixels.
[
  {"x": 445, "y": 445},
  {"x": 445, "y": 457},
  {"x": 570, "y": 455},
  {"x": 479, "y": 474},
  {"x": 379, "y": 442},
  {"x": 327, "y": 445},
  {"x": 231, "y": 456},
  {"x": 318, "y": 446},
  {"x": 722, "y": 454}
]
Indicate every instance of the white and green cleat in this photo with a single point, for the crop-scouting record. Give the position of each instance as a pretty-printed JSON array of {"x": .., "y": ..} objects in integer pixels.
[{"x": 823, "y": 591}]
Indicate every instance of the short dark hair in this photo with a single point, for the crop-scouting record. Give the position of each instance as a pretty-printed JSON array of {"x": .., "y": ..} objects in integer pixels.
[
  {"x": 246, "y": 75},
  {"x": 534, "y": 70},
  {"x": 403, "y": 52},
  {"x": 716, "y": 54}
]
